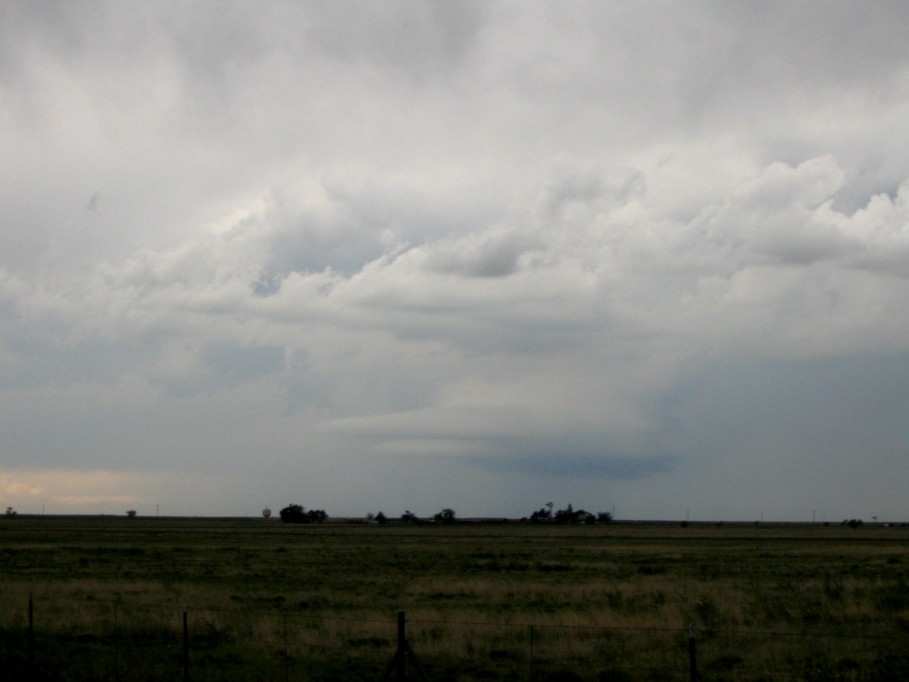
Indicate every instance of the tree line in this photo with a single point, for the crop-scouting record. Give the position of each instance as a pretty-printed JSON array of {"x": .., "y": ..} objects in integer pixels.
[
  {"x": 296, "y": 513},
  {"x": 568, "y": 515}
]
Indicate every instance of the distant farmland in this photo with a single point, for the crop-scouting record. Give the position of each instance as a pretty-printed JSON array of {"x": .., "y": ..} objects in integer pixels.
[{"x": 269, "y": 601}]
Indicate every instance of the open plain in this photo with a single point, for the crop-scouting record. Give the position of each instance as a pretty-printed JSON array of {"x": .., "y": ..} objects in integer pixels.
[{"x": 107, "y": 598}]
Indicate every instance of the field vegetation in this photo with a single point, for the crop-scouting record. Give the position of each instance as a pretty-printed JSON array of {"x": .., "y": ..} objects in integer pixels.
[{"x": 272, "y": 601}]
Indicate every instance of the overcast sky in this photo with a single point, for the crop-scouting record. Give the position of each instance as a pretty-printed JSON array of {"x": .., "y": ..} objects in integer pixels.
[{"x": 642, "y": 256}]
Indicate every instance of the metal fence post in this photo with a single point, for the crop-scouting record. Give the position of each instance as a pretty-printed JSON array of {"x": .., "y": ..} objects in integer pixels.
[
  {"x": 31, "y": 633},
  {"x": 116, "y": 638},
  {"x": 401, "y": 654},
  {"x": 185, "y": 644},
  {"x": 692, "y": 655},
  {"x": 286, "y": 652},
  {"x": 532, "y": 663}
]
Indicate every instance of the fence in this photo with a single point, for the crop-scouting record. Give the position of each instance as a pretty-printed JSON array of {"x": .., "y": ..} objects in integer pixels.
[{"x": 140, "y": 641}]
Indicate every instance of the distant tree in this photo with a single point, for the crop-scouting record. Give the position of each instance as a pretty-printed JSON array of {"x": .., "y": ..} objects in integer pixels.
[
  {"x": 295, "y": 513},
  {"x": 380, "y": 518},
  {"x": 131, "y": 513},
  {"x": 570, "y": 515},
  {"x": 409, "y": 517},
  {"x": 564, "y": 515},
  {"x": 445, "y": 516},
  {"x": 604, "y": 517},
  {"x": 10, "y": 512},
  {"x": 543, "y": 514}
]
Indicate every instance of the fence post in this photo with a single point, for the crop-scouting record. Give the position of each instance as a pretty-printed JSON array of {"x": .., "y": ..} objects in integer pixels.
[
  {"x": 402, "y": 641},
  {"x": 185, "y": 644},
  {"x": 692, "y": 655},
  {"x": 532, "y": 663},
  {"x": 398, "y": 663},
  {"x": 286, "y": 652},
  {"x": 116, "y": 638},
  {"x": 31, "y": 633}
]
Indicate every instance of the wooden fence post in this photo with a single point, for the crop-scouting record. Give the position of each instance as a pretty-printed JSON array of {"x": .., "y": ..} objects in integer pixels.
[{"x": 402, "y": 652}]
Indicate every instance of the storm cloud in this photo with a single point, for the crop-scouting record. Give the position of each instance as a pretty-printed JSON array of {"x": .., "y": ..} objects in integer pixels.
[{"x": 483, "y": 255}]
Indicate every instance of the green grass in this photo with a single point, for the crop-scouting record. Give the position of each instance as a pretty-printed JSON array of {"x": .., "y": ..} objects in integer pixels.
[{"x": 267, "y": 601}]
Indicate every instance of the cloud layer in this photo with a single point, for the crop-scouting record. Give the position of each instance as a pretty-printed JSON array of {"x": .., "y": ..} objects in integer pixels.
[{"x": 480, "y": 255}]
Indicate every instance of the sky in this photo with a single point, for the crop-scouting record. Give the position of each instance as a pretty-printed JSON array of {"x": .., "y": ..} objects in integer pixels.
[{"x": 642, "y": 257}]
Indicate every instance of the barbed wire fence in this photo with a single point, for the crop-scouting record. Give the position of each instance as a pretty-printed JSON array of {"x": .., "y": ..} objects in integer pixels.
[{"x": 119, "y": 640}]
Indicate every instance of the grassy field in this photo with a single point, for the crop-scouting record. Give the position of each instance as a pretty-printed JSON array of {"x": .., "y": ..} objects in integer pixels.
[{"x": 267, "y": 601}]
